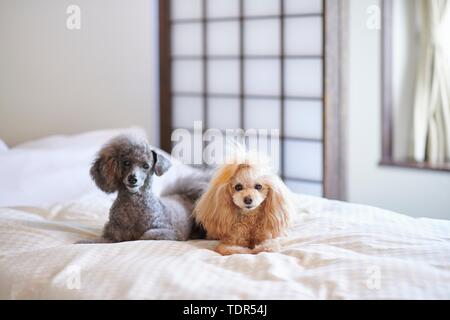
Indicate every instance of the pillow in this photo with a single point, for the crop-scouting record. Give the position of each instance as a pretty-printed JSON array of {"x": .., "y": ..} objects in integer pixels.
[
  {"x": 3, "y": 146},
  {"x": 52, "y": 169},
  {"x": 55, "y": 169}
]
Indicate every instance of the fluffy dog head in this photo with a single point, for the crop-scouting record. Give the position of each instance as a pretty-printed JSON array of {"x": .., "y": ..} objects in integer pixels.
[
  {"x": 126, "y": 163},
  {"x": 241, "y": 187},
  {"x": 249, "y": 188}
]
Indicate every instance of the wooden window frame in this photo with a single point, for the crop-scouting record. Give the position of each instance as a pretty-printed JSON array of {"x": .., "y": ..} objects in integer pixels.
[{"x": 334, "y": 65}]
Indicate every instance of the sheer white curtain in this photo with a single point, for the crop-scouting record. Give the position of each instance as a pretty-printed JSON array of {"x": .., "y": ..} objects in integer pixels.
[{"x": 432, "y": 101}]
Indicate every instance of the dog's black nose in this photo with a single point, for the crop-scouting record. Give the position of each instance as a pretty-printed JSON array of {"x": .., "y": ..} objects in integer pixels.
[
  {"x": 248, "y": 200},
  {"x": 132, "y": 179}
]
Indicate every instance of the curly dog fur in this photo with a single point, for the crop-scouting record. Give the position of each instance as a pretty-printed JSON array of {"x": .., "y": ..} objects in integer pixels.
[
  {"x": 247, "y": 207},
  {"x": 127, "y": 165}
]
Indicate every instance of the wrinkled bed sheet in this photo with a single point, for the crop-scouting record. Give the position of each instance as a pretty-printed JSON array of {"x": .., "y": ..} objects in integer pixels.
[{"x": 335, "y": 250}]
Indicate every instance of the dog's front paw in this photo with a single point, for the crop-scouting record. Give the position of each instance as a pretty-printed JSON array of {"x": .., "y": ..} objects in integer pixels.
[
  {"x": 227, "y": 250},
  {"x": 85, "y": 242},
  {"x": 260, "y": 249},
  {"x": 159, "y": 234},
  {"x": 93, "y": 241},
  {"x": 271, "y": 245}
]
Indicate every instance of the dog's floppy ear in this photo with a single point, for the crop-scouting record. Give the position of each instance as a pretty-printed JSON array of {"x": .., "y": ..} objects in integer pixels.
[
  {"x": 105, "y": 170},
  {"x": 215, "y": 211},
  {"x": 278, "y": 207},
  {"x": 215, "y": 208},
  {"x": 160, "y": 163}
]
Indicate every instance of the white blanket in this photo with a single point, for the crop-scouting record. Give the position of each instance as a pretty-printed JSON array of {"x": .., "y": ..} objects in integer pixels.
[{"x": 334, "y": 251}]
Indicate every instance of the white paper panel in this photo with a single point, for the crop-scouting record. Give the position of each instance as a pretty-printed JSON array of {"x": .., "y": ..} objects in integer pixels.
[
  {"x": 266, "y": 146},
  {"x": 223, "y": 113},
  {"x": 186, "y": 9},
  {"x": 302, "y": 6},
  {"x": 187, "y": 39},
  {"x": 187, "y": 76},
  {"x": 313, "y": 189},
  {"x": 186, "y": 110},
  {"x": 262, "y": 114},
  {"x": 262, "y": 37},
  {"x": 303, "y": 36},
  {"x": 303, "y": 119},
  {"x": 262, "y": 77},
  {"x": 303, "y": 159},
  {"x": 261, "y": 7},
  {"x": 223, "y": 8},
  {"x": 223, "y": 76},
  {"x": 223, "y": 38},
  {"x": 303, "y": 77}
]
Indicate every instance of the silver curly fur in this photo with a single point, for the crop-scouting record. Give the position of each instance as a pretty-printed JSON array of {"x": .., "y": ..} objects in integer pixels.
[{"x": 127, "y": 165}]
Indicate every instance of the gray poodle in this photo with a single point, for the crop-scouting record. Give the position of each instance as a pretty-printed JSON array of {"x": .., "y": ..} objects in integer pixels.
[{"x": 127, "y": 165}]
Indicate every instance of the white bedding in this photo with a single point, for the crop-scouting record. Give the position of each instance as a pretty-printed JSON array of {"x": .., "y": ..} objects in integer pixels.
[
  {"x": 3, "y": 146},
  {"x": 56, "y": 168},
  {"x": 51, "y": 169},
  {"x": 335, "y": 250}
]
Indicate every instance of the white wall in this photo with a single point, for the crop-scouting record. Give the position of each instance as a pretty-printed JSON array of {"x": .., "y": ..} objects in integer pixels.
[
  {"x": 409, "y": 191},
  {"x": 54, "y": 80}
]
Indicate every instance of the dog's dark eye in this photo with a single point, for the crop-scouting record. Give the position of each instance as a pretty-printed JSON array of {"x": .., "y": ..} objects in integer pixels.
[
  {"x": 127, "y": 163},
  {"x": 146, "y": 166},
  {"x": 238, "y": 187},
  {"x": 258, "y": 186}
]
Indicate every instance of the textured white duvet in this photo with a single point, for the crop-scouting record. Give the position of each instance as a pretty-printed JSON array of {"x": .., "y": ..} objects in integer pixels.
[{"x": 334, "y": 251}]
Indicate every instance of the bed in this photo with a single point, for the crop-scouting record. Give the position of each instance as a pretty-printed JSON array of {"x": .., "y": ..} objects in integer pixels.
[{"x": 335, "y": 250}]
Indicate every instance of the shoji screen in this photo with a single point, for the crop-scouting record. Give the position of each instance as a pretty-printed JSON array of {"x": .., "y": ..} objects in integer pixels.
[{"x": 252, "y": 64}]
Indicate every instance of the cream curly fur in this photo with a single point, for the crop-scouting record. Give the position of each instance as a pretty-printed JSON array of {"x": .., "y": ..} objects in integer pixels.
[{"x": 225, "y": 216}]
